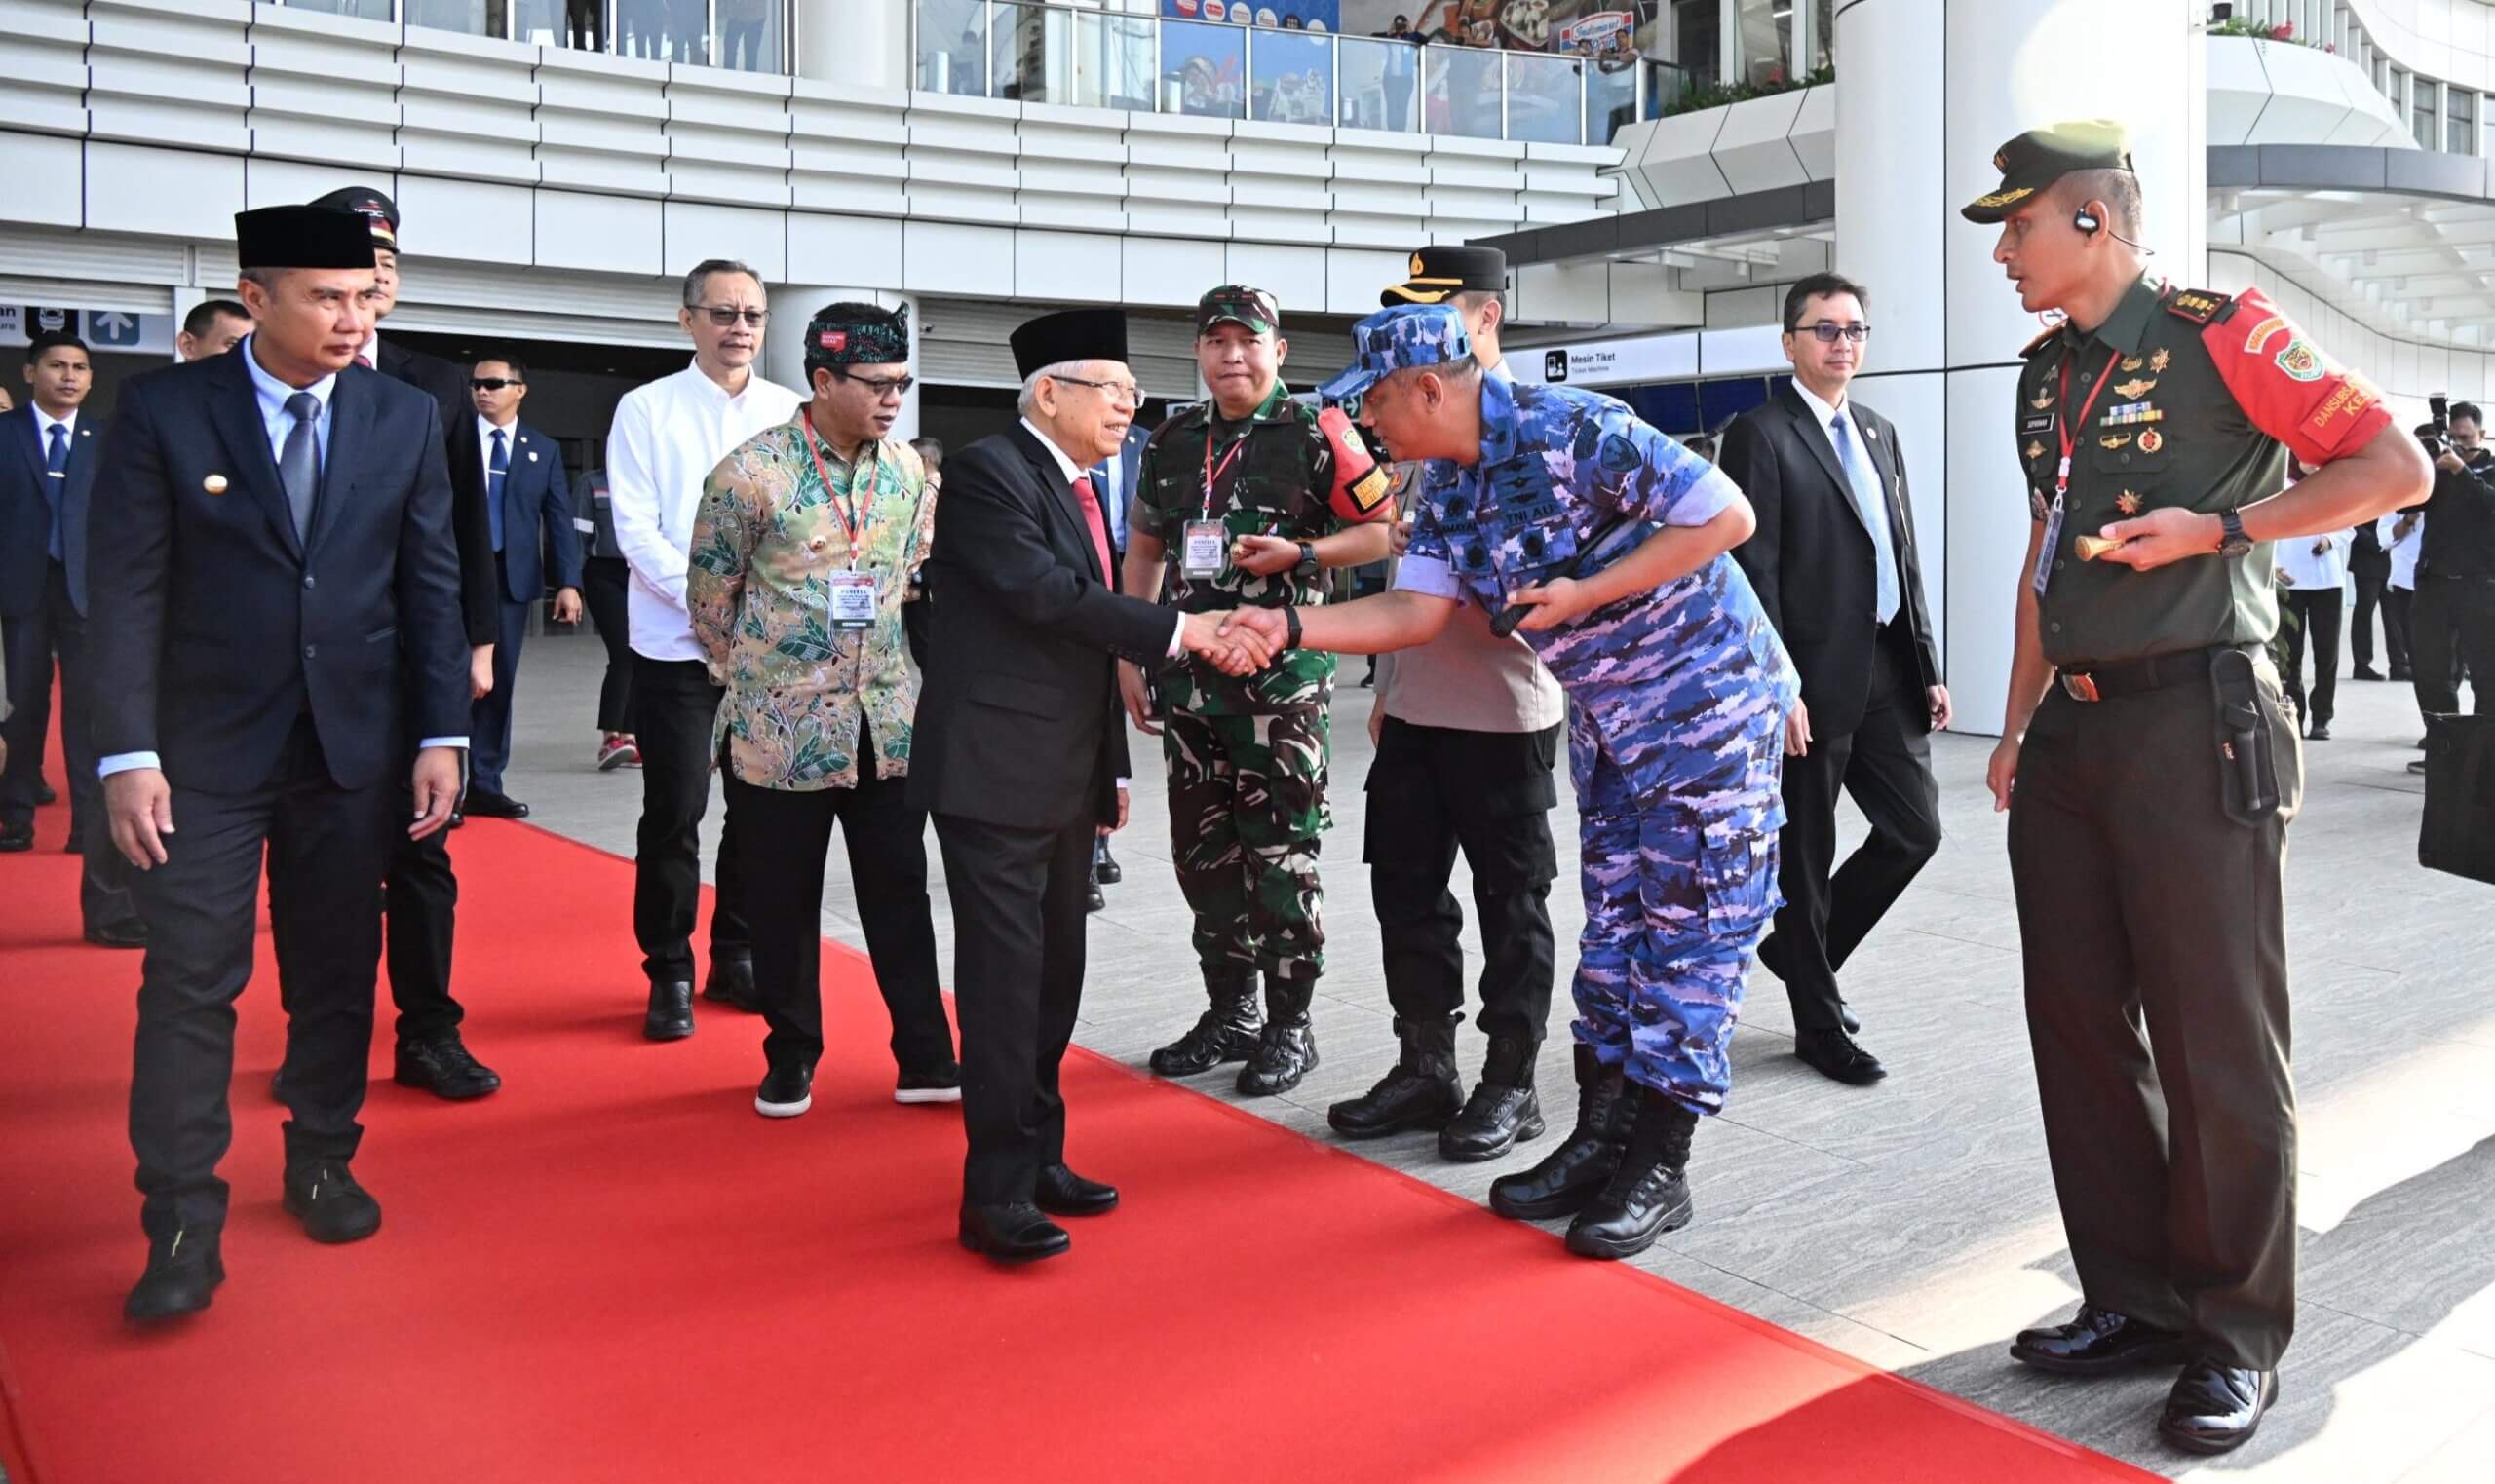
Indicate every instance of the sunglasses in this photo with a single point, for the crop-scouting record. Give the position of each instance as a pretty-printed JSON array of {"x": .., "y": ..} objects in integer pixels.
[
  {"x": 725, "y": 315},
  {"x": 1828, "y": 331},
  {"x": 494, "y": 383}
]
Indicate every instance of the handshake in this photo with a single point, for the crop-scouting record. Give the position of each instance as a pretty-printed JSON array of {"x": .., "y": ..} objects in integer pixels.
[{"x": 1239, "y": 642}]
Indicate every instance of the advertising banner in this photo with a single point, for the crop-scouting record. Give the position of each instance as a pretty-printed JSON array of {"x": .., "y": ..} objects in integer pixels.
[{"x": 1294, "y": 15}]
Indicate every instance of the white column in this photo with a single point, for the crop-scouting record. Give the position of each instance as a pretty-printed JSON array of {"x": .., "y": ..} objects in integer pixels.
[
  {"x": 1928, "y": 90},
  {"x": 784, "y": 350},
  {"x": 862, "y": 42}
]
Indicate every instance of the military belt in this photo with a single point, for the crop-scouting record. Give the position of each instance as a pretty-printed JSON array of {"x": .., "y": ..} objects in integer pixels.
[{"x": 2131, "y": 678}]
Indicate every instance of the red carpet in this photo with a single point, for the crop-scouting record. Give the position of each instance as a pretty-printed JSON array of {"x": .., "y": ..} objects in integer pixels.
[{"x": 613, "y": 1271}]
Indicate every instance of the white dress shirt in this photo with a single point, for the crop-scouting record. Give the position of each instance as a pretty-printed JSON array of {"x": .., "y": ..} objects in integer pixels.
[
  {"x": 271, "y": 394},
  {"x": 1871, "y": 501},
  {"x": 2403, "y": 551},
  {"x": 2310, "y": 571},
  {"x": 667, "y": 439},
  {"x": 487, "y": 428}
]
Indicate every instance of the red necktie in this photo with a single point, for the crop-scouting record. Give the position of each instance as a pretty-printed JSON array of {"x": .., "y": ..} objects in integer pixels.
[
  {"x": 363, "y": 362},
  {"x": 1093, "y": 521}
]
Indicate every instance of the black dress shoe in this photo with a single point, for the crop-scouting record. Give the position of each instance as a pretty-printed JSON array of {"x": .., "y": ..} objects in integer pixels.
[
  {"x": 443, "y": 1068},
  {"x": 486, "y": 804},
  {"x": 1834, "y": 1055},
  {"x": 2321, "y": 732},
  {"x": 2216, "y": 1408},
  {"x": 1569, "y": 1176},
  {"x": 323, "y": 1196},
  {"x": 730, "y": 981},
  {"x": 1105, "y": 866},
  {"x": 1061, "y": 1191},
  {"x": 2364, "y": 672},
  {"x": 1420, "y": 1092},
  {"x": 44, "y": 796},
  {"x": 132, "y": 933},
  {"x": 182, "y": 1280},
  {"x": 13, "y": 841},
  {"x": 1648, "y": 1194},
  {"x": 2397, "y": 673},
  {"x": 670, "y": 1013},
  {"x": 1011, "y": 1233},
  {"x": 2097, "y": 1342},
  {"x": 788, "y": 1090},
  {"x": 1093, "y": 900},
  {"x": 929, "y": 1085}
]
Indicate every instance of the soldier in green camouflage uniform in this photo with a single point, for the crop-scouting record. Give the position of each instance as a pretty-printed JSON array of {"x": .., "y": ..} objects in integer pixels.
[{"x": 1232, "y": 508}]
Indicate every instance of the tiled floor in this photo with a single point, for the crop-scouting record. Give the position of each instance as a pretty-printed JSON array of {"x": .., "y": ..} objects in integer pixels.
[{"x": 1913, "y": 1224}]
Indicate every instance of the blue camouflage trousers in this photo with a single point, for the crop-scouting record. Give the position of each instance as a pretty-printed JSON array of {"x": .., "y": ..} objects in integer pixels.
[{"x": 1678, "y": 891}]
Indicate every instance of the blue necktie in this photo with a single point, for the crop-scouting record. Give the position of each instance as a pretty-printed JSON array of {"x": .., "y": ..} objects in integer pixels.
[
  {"x": 56, "y": 463},
  {"x": 1864, "y": 482},
  {"x": 298, "y": 462},
  {"x": 500, "y": 468}
]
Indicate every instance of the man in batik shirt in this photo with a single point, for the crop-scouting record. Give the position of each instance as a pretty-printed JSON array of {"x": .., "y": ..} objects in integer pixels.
[{"x": 807, "y": 540}]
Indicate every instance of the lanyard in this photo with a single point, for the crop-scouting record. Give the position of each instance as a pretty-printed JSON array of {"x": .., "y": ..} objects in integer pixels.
[
  {"x": 1213, "y": 472},
  {"x": 832, "y": 497},
  {"x": 2061, "y": 479}
]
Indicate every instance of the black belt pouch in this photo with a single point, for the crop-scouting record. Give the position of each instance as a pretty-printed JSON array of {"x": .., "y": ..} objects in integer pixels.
[{"x": 2247, "y": 771}]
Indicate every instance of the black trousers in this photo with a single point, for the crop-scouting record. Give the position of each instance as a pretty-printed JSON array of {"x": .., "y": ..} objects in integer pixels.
[
  {"x": 2398, "y": 630},
  {"x": 2318, "y": 612},
  {"x": 2154, "y": 939},
  {"x": 1885, "y": 763},
  {"x": 489, "y": 718},
  {"x": 326, "y": 848},
  {"x": 783, "y": 835},
  {"x": 676, "y": 706},
  {"x": 1019, "y": 925},
  {"x": 420, "y": 913},
  {"x": 2452, "y": 626},
  {"x": 603, "y": 592},
  {"x": 2371, "y": 572},
  {"x": 56, "y": 630},
  {"x": 1435, "y": 791}
]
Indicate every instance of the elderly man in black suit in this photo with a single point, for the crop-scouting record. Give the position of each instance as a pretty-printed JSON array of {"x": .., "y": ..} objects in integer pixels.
[
  {"x": 279, "y": 623},
  {"x": 1835, "y": 566},
  {"x": 1019, "y": 752}
]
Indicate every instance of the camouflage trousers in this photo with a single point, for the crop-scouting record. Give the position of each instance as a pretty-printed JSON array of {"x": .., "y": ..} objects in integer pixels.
[
  {"x": 1247, "y": 803},
  {"x": 1678, "y": 892}
]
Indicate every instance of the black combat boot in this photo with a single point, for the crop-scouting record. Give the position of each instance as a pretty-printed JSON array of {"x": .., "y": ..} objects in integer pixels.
[
  {"x": 1569, "y": 1176},
  {"x": 1422, "y": 1091},
  {"x": 1648, "y": 1194},
  {"x": 1504, "y": 1109},
  {"x": 1226, "y": 1031},
  {"x": 1287, "y": 1049}
]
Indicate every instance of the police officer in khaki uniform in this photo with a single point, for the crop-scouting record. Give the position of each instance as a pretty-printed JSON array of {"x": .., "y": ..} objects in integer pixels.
[{"x": 2150, "y": 768}]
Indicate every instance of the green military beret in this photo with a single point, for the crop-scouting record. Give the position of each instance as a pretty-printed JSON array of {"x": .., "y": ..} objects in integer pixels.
[{"x": 2040, "y": 156}]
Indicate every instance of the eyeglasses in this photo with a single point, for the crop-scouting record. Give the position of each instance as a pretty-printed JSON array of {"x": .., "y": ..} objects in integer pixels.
[
  {"x": 725, "y": 315},
  {"x": 1119, "y": 390},
  {"x": 1828, "y": 331},
  {"x": 880, "y": 386},
  {"x": 494, "y": 383}
]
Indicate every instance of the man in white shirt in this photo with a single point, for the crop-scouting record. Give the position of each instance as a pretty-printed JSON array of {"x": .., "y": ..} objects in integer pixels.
[
  {"x": 667, "y": 439},
  {"x": 2312, "y": 576}
]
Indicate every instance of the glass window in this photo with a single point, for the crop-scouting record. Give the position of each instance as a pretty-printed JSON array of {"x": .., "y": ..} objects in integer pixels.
[
  {"x": 1464, "y": 92},
  {"x": 1034, "y": 55},
  {"x": 2422, "y": 96},
  {"x": 476, "y": 17},
  {"x": 1292, "y": 77},
  {"x": 577, "y": 24},
  {"x": 369, "y": 9},
  {"x": 2460, "y": 121},
  {"x": 1543, "y": 99},
  {"x": 1822, "y": 34},
  {"x": 952, "y": 46},
  {"x": 664, "y": 30},
  {"x": 1204, "y": 69},
  {"x": 1697, "y": 38},
  {"x": 1611, "y": 97},
  {"x": 751, "y": 35},
  {"x": 1766, "y": 40},
  {"x": 1113, "y": 61},
  {"x": 1378, "y": 81}
]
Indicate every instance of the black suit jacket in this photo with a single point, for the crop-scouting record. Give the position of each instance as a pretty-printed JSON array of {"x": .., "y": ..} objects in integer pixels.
[
  {"x": 479, "y": 595},
  {"x": 211, "y": 627},
  {"x": 25, "y": 512},
  {"x": 1811, "y": 558},
  {"x": 1021, "y": 724}
]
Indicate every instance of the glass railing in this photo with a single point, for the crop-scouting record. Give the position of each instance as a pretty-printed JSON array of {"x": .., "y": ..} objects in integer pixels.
[{"x": 1035, "y": 51}]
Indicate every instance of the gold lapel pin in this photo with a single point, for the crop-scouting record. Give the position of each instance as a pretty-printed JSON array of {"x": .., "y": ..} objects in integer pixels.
[{"x": 214, "y": 485}]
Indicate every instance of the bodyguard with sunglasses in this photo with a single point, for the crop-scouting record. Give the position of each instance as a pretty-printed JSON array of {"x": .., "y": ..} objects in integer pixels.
[
  {"x": 1835, "y": 565},
  {"x": 530, "y": 502},
  {"x": 667, "y": 439}
]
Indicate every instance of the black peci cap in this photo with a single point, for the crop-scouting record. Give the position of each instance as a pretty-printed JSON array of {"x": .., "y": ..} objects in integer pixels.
[
  {"x": 1070, "y": 334},
  {"x": 302, "y": 237}
]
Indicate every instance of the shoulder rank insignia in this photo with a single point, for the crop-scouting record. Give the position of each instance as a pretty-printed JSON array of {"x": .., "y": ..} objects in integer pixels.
[
  {"x": 2131, "y": 390},
  {"x": 2198, "y": 305}
]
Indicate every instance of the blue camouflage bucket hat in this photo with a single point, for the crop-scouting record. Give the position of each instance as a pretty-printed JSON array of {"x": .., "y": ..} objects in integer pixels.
[{"x": 1399, "y": 339}]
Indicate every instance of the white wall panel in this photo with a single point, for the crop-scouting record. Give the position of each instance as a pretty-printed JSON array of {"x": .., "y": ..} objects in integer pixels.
[
  {"x": 1067, "y": 265},
  {"x": 865, "y": 251},
  {"x": 1353, "y": 280},
  {"x": 170, "y": 70},
  {"x": 43, "y": 67},
  {"x": 467, "y": 220},
  {"x": 941, "y": 257},
  {"x": 1160, "y": 271},
  {"x": 608, "y": 234},
  {"x": 47, "y": 179},
  {"x": 1294, "y": 276},
  {"x": 163, "y": 191}
]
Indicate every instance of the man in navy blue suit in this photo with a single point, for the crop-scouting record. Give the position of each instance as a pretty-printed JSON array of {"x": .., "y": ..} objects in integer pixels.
[
  {"x": 47, "y": 454},
  {"x": 531, "y": 504},
  {"x": 278, "y": 622}
]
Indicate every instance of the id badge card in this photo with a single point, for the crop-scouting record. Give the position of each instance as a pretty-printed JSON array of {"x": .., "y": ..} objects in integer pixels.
[
  {"x": 2052, "y": 543},
  {"x": 1205, "y": 548},
  {"x": 852, "y": 600}
]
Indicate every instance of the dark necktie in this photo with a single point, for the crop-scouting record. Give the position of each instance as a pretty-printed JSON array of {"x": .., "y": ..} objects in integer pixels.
[
  {"x": 498, "y": 469},
  {"x": 56, "y": 463},
  {"x": 299, "y": 463}
]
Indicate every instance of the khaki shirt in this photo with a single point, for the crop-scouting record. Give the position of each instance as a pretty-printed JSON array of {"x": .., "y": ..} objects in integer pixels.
[{"x": 768, "y": 539}]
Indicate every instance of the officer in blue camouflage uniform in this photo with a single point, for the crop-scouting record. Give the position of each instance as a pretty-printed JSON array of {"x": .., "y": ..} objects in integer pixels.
[
  {"x": 1613, "y": 538},
  {"x": 1235, "y": 503}
]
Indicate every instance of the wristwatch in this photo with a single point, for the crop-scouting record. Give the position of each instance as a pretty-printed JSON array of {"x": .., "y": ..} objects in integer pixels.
[
  {"x": 1290, "y": 625},
  {"x": 2232, "y": 542},
  {"x": 1306, "y": 567}
]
